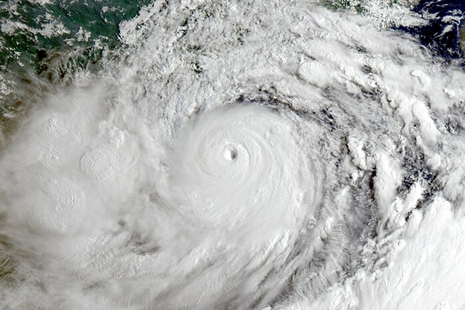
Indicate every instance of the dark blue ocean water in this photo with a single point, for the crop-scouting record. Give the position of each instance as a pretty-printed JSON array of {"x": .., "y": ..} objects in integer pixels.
[
  {"x": 29, "y": 46},
  {"x": 442, "y": 34}
]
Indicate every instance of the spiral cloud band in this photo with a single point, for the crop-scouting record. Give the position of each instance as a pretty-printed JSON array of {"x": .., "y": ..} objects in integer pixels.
[
  {"x": 241, "y": 155},
  {"x": 239, "y": 167}
]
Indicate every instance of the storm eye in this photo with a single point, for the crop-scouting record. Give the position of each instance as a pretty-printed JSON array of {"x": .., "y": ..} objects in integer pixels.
[{"x": 230, "y": 154}]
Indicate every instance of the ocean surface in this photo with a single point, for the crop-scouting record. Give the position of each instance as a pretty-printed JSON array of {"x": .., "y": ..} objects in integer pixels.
[{"x": 232, "y": 154}]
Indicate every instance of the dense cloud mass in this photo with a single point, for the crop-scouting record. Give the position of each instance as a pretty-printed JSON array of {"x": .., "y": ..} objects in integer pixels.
[{"x": 242, "y": 155}]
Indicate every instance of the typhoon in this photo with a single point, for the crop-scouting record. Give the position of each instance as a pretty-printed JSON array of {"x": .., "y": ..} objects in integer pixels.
[{"x": 241, "y": 155}]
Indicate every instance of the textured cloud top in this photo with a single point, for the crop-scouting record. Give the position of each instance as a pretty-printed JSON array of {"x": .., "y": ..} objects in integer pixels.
[{"x": 241, "y": 155}]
